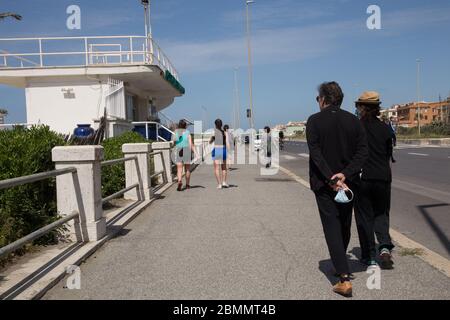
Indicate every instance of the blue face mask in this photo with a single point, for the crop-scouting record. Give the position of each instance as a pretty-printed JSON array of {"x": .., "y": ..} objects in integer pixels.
[{"x": 341, "y": 196}]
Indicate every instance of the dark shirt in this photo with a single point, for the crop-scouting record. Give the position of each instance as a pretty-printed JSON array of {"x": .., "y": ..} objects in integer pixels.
[
  {"x": 379, "y": 138},
  {"x": 337, "y": 144}
]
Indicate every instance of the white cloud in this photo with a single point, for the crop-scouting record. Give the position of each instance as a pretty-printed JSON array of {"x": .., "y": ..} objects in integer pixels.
[{"x": 281, "y": 45}]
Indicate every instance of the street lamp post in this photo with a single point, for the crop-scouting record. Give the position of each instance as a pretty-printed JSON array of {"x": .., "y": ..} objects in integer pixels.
[
  {"x": 237, "y": 102},
  {"x": 148, "y": 27},
  {"x": 250, "y": 68},
  {"x": 418, "y": 95}
]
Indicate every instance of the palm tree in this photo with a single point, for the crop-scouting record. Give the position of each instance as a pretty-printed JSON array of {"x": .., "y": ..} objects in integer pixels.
[
  {"x": 10, "y": 14},
  {"x": 3, "y": 112}
]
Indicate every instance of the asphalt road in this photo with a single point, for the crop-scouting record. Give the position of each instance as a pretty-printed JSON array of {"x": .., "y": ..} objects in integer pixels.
[{"x": 420, "y": 194}]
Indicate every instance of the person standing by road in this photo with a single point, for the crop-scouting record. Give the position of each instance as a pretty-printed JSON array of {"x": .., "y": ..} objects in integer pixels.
[
  {"x": 338, "y": 149},
  {"x": 229, "y": 145},
  {"x": 219, "y": 155},
  {"x": 372, "y": 204},
  {"x": 183, "y": 153},
  {"x": 268, "y": 146}
]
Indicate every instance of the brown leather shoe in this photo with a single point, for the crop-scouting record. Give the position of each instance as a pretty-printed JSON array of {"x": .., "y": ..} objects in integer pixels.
[{"x": 344, "y": 288}]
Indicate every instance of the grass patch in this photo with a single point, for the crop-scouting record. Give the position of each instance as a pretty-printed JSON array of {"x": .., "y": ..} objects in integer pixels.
[{"x": 411, "y": 252}]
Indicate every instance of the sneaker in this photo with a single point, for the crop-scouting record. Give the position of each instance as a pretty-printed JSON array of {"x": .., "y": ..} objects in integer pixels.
[
  {"x": 219, "y": 186},
  {"x": 368, "y": 262},
  {"x": 180, "y": 186},
  {"x": 386, "y": 259},
  {"x": 225, "y": 185}
]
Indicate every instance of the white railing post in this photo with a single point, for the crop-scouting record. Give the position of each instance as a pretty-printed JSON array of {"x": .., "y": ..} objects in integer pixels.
[
  {"x": 131, "y": 49},
  {"x": 86, "y": 50},
  {"x": 138, "y": 171},
  {"x": 164, "y": 162},
  {"x": 41, "y": 59},
  {"x": 82, "y": 191}
]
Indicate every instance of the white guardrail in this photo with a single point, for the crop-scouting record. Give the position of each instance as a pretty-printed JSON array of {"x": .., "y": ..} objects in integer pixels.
[{"x": 82, "y": 51}]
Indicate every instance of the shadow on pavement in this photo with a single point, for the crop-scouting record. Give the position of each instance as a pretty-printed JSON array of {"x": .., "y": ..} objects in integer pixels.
[
  {"x": 195, "y": 187},
  {"x": 437, "y": 230},
  {"x": 274, "y": 180},
  {"x": 119, "y": 232},
  {"x": 327, "y": 268},
  {"x": 40, "y": 272}
]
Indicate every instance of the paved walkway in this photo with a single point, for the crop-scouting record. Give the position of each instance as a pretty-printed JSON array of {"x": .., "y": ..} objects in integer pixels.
[{"x": 261, "y": 239}]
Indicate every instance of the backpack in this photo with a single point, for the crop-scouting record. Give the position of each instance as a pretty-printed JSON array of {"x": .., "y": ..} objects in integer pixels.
[{"x": 182, "y": 141}]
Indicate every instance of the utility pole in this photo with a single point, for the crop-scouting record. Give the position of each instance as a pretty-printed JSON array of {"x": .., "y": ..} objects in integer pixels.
[
  {"x": 418, "y": 95},
  {"x": 250, "y": 68},
  {"x": 237, "y": 101}
]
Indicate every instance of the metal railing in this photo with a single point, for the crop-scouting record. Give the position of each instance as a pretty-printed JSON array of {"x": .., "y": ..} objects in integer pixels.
[
  {"x": 157, "y": 126},
  {"x": 83, "y": 51},
  {"x": 161, "y": 172},
  {"x": 15, "y": 182},
  {"x": 138, "y": 186}
]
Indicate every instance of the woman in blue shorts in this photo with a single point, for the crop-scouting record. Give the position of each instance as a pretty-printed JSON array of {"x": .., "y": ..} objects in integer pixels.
[{"x": 219, "y": 155}]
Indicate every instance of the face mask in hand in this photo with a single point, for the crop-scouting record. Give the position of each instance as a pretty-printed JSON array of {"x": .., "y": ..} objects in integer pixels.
[{"x": 341, "y": 196}]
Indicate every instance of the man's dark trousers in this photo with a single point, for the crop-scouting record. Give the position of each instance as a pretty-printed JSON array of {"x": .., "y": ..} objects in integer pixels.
[
  {"x": 372, "y": 207},
  {"x": 336, "y": 222}
]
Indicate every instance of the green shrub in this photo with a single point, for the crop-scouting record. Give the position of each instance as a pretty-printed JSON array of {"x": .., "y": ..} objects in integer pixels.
[
  {"x": 433, "y": 130},
  {"x": 27, "y": 208},
  {"x": 113, "y": 177}
]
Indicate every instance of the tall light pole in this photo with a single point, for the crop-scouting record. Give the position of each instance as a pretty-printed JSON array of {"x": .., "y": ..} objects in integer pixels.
[
  {"x": 418, "y": 94},
  {"x": 205, "y": 118},
  {"x": 148, "y": 27},
  {"x": 250, "y": 68},
  {"x": 237, "y": 101}
]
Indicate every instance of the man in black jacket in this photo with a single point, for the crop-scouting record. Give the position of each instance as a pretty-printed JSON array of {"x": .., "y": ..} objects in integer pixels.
[{"x": 338, "y": 149}]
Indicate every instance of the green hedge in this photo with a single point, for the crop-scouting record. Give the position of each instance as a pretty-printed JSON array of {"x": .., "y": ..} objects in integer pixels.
[
  {"x": 436, "y": 129},
  {"x": 29, "y": 207},
  {"x": 113, "y": 177}
]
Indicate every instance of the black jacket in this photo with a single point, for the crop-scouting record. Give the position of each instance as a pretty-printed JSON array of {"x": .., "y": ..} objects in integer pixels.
[
  {"x": 337, "y": 144},
  {"x": 379, "y": 138}
]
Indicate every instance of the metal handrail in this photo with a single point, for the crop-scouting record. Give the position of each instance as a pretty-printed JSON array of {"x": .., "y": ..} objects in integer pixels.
[
  {"x": 121, "y": 192},
  {"x": 37, "y": 234},
  {"x": 124, "y": 190},
  {"x": 150, "y": 54},
  {"x": 14, "y": 182},
  {"x": 117, "y": 161}
]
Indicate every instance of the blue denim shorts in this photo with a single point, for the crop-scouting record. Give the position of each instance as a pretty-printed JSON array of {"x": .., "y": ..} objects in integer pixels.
[{"x": 219, "y": 153}]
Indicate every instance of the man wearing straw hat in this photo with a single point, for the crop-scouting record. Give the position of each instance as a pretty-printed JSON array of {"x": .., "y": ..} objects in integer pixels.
[{"x": 373, "y": 200}]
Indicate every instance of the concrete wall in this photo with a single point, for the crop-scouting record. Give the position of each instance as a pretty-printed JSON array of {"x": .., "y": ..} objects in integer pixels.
[{"x": 47, "y": 104}]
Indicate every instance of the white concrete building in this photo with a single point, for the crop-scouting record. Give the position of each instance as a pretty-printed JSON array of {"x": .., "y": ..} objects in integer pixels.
[
  {"x": 76, "y": 80},
  {"x": 390, "y": 112}
]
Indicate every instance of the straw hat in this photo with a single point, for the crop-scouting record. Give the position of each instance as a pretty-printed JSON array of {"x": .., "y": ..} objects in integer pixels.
[{"x": 369, "y": 97}]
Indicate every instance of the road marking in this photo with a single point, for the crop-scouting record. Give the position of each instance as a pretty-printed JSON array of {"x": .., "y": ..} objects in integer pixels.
[
  {"x": 304, "y": 155},
  {"x": 287, "y": 157},
  {"x": 432, "y": 258},
  {"x": 418, "y": 154}
]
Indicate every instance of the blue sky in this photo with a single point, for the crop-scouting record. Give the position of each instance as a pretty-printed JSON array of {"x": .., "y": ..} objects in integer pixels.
[{"x": 296, "y": 46}]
